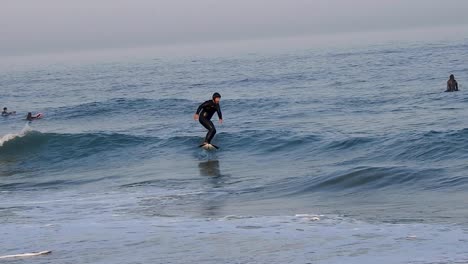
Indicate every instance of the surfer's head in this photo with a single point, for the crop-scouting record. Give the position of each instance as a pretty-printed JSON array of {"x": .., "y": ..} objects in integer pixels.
[
  {"x": 216, "y": 97},
  {"x": 452, "y": 77},
  {"x": 5, "y": 109}
]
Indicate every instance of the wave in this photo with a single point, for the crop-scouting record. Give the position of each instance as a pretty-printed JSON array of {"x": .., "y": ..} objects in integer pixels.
[
  {"x": 349, "y": 143},
  {"x": 9, "y": 137},
  {"x": 365, "y": 163},
  {"x": 359, "y": 180},
  {"x": 433, "y": 146},
  {"x": 65, "y": 146},
  {"x": 430, "y": 146},
  {"x": 264, "y": 142},
  {"x": 52, "y": 155},
  {"x": 372, "y": 178}
]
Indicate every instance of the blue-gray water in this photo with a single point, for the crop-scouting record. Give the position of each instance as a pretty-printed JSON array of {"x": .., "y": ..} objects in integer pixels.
[{"x": 327, "y": 156}]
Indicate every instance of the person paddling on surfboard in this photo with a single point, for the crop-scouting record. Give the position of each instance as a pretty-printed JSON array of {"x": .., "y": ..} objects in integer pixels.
[
  {"x": 204, "y": 114},
  {"x": 31, "y": 117}
]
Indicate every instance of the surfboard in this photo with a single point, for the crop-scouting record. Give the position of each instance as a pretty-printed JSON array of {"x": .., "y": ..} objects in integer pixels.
[
  {"x": 209, "y": 147},
  {"x": 33, "y": 254}
]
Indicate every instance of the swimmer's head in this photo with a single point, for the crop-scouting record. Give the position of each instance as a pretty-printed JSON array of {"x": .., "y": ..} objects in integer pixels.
[{"x": 452, "y": 77}]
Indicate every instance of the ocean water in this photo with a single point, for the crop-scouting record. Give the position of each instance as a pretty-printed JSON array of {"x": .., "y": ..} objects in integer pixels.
[{"x": 327, "y": 155}]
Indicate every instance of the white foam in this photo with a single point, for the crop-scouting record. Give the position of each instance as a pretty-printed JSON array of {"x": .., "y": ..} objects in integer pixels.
[
  {"x": 26, "y": 129},
  {"x": 27, "y": 254},
  {"x": 309, "y": 217}
]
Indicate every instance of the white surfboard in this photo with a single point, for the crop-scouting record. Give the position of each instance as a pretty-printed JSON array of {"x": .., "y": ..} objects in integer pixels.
[
  {"x": 24, "y": 255},
  {"x": 209, "y": 147}
]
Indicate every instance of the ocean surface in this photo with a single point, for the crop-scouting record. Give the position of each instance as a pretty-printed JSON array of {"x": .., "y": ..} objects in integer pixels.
[{"x": 327, "y": 155}]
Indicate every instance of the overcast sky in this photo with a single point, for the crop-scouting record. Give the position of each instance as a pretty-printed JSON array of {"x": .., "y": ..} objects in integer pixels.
[{"x": 38, "y": 26}]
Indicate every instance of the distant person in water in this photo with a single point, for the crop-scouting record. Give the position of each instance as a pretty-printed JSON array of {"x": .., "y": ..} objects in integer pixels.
[
  {"x": 6, "y": 113},
  {"x": 452, "y": 85},
  {"x": 204, "y": 114},
  {"x": 31, "y": 117}
]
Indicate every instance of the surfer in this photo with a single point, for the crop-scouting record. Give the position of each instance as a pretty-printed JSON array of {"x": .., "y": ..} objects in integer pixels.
[
  {"x": 452, "y": 85},
  {"x": 204, "y": 114},
  {"x": 6, "y": 113},
  {"x": 31, "y": 117}
]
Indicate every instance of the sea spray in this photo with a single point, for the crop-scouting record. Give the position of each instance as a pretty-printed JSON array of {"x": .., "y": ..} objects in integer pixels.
[{"x": 26, "y": 129}]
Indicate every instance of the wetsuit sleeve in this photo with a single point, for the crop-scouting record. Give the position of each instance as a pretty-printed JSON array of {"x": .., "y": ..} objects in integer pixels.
[
  {"x": 218, "y": 110},
  {"x": 201, "y": 107}
]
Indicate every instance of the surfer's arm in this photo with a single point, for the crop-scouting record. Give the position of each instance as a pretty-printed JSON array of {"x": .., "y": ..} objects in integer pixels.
[
  {"x": 220, "y": 115},
  {"x": 199, "y": 110}
]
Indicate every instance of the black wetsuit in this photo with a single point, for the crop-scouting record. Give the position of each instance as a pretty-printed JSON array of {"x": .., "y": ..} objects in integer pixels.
[
  {"x": 206, "y": 112},
  {"x": 452, "y": 85}
]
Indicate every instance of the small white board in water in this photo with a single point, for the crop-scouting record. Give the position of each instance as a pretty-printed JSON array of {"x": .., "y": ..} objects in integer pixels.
[
  {"x": 26, "y": 255},
  {"x": 209, "y": 147}
]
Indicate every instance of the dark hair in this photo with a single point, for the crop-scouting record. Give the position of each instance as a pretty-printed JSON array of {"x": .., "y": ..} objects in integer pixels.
[
  {"x": 216, "y": 95},
  {"x": 4, "y": 108},
  {"x": 452, "y": 77}
]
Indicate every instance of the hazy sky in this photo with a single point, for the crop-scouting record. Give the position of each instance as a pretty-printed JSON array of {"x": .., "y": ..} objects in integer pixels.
[{"x": 36, "y": 26}]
